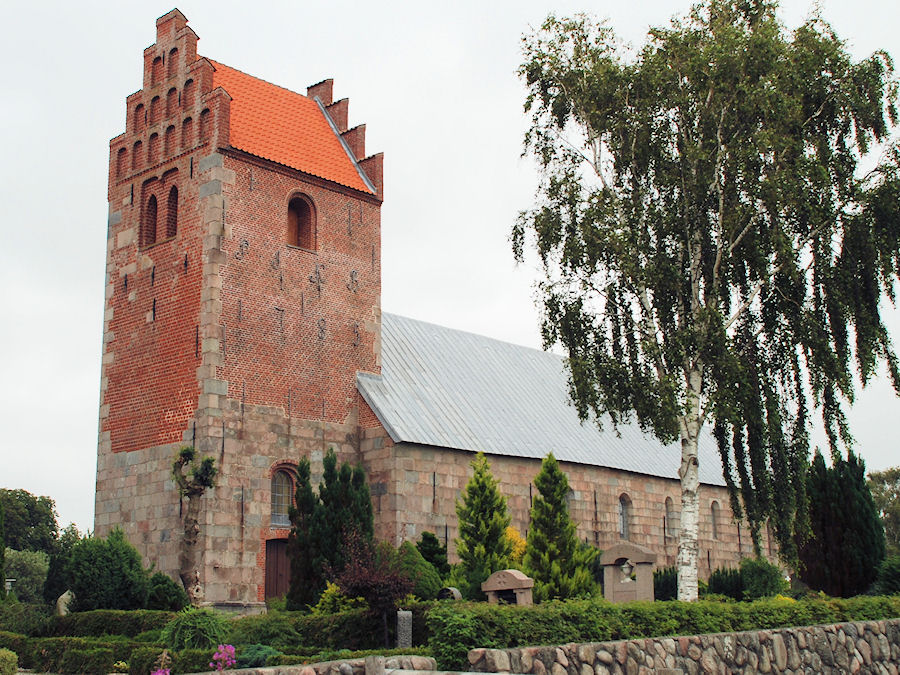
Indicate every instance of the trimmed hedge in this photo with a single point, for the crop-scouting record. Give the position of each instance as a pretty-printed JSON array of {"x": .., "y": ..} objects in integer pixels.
[
  {"x": 455, "y": 628},
  {"x": 17, "y": 617},
  {"x": 109, "y": 621},
  {"x": 48, "y": 655},
  {"x": 96, "y": 661},
  {"x": 143, "y": 660}
]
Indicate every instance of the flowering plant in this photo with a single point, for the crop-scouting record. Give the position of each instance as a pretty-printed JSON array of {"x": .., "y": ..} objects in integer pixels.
[{"x": 223, "y": 658}]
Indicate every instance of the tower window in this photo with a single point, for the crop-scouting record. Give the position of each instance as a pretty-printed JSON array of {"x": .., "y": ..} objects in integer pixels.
[
  {"x": 154, "y": 110},
  {"x": 173, "y": 62},
  {"x": 153, "y": 151},
  {"x": 172, "y": 213},
  {"x": 137, "y": 155},
  {"x": 156, "y": 70},
  {"x": 171, "y": 102},
  {"x": 139, "y": 118},
  {"x": 301, "y": 224},
  {"x": 149, "y": 225},
  {"x": 187, "y": 95},
  {"x": 624, "y": 513},
  {"x": 281, "y": 499}
]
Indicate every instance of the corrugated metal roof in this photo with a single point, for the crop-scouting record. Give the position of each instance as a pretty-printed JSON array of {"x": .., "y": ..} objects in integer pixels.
[{"x": 448, "y": 388}]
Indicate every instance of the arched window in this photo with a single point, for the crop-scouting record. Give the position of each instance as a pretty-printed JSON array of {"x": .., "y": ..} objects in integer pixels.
[
  {"x": 624, "y": 513},
  {"x": 171, "y": 102},
  {"x": 154, "y": 110},
  {"x": 172, "y": 213},
  {"x": 140, "y": 118},
  {"x": 137, "y": 155},
  {"x": 149, "y": 225},
  {"x": 153, "y": 150},
  {"x": 121, "y": 161},
  {"x": 281, "y": 499},
  {"x": 156, "y": 70},
  {"x": 673, "y": 520},
  {"x": 204, "y": 126},
  {"x": 169, "y": 142},
  {"x": 301, "y": 224},
  {"x": 187, "y": 95},
  {"x": 172, "y": 65},
  {"x": 714, "y": 513},
  {"x": 187, "y": 133}
]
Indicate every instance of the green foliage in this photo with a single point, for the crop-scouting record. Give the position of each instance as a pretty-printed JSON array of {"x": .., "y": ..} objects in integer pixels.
[
  {"x": 553, "y": 558},
  {"x": 16, "y": 643},
  {"x": 846, "y": 543},
  {"x": 665, "y": 583},
  {"x": 482, "y": 546},
  {"x": 729, "y": 582},
  {"x": 166, "y": 594},
  {"x": 9, "y": 662},
  {"x": 97, "y": 661},
  {"x": 107, "y": 574},
  {"x": 29, "y": 521},
  {"x": 99, "y": 622},
  {"x": 303, "y": 545},
  {"x": 426, "y": 581},
  {"x": 455, "y": 628},
  {"x": 333, "y": 601},
  {"x": 761, "y": 579},
  {"x": 255, "y": 656},
  {"x": 29, "y": 569},
  {"x": 434, "y": 552},
  {"x": 889, "y": 576},
  {"x": 2, "y": 555},
  {"x": 885, "y": 489},
  {"x": 711, "y": 249},
  {"x": 57, "y": 582},
  {"x": 52, "y": 655},
  {"x": 17, "y": 617},
  {"x": 195, "y": 628}
]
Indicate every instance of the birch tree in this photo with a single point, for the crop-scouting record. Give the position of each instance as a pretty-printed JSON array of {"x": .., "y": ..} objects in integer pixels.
[{"x": 714, "y": 255}]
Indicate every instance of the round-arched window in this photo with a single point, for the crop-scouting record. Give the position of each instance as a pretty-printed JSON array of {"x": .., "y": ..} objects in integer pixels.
[
  {"x": 624, "y": 513},
  {"x": 281, "y": 499}
]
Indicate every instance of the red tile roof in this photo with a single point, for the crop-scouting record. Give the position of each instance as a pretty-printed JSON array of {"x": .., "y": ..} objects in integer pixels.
[{"x": 280, "y": 125}]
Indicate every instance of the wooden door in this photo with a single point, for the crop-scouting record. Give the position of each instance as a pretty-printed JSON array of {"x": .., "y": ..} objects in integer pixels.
[{"x": 278, "y": 568}]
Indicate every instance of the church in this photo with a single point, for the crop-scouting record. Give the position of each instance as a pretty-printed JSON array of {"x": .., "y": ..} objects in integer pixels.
[{"x": 243, "y": 317}]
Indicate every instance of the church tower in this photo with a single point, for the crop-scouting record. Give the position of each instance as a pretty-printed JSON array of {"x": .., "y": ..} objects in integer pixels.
[{"x": 243, "y": 283}]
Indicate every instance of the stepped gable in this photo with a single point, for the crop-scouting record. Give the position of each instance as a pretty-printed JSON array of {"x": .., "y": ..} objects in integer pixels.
[{"x": 283, "y": 126}]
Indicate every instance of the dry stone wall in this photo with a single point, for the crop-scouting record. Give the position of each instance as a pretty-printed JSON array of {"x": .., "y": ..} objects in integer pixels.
[{"x": 858, "y": 647}]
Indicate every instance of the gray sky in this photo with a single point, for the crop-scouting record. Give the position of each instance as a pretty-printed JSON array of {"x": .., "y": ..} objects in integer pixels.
[{"x": 436, "y": 86}]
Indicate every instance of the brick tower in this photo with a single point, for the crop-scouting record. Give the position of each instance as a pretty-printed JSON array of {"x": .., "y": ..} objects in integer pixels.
[{"x": 243, "y": 283}]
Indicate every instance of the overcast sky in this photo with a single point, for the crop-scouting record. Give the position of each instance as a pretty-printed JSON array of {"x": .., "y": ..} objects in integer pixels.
[{"x": 436, "y": 86}]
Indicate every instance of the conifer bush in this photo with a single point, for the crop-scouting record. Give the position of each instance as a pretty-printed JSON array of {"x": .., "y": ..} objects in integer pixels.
[
  {"x": 9, "y": 662},
  {"x": 889, "y": 576},
  {"x": 195, "y": 628},
  {"x": 426, "y": 581},
  {"x": 107, "y": 574},
  {"x": 434, "y": 552}
]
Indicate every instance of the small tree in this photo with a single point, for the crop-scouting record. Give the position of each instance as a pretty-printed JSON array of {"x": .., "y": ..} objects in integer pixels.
[
  {"x": 885, "y": 489},
  {"x": 29, "y": 569},
  {"x": 434, "y": 552},
  {"x": 846, "y": 546},
  {"x": 57, "y": 582},
  {"x": 303, "y": 546},
  {"x": 559, "y": 566},
  {"x": 193, "y": 479},
  {"x": 30, "y": 521},
  {"x": 482, "y": 545},
  {"x": 107, "y": 574}
]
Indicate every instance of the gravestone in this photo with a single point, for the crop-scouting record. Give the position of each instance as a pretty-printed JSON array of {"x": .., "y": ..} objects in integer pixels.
[
  {"x": 449, "y": 593},
  {"x": 508, "y": 586},
  {"x": 627, "y": 573}
]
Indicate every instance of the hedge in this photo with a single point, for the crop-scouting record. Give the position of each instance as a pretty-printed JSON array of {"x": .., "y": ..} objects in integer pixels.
[
  {"x": 455, "y": 628},
  {"x": 109, "y": 622},
  {"x": 48, "y": 655}
]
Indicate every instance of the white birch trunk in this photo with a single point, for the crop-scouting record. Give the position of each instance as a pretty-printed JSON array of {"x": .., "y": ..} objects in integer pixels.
[{"x": 688, "y": 544}]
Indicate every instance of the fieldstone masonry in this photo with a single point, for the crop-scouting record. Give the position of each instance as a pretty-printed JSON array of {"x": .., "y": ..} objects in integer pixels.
[{"x": 857, "y": 647}]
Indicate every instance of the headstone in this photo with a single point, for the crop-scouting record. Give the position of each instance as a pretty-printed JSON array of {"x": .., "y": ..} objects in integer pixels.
[
  {"x": 404, "y": 628},
  {"x": 620, "y": 563},
  {"x": 63, "y": 602},
  {"x": 449, "y": 593},
  {"x": 508, "y": 586}
]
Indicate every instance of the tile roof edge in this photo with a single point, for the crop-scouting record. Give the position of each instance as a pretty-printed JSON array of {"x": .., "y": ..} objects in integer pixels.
[{"x": 362, "y": 174}]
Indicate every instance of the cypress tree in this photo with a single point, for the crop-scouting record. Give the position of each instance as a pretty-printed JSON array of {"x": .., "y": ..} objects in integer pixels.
[
  {"x": 434, "y": 552},
  {"x": 845, "y": 546},
  {"x": 482, "y": 545},
  {"x": 559, "y": 566},
  {"x": 304, "y": 550}
]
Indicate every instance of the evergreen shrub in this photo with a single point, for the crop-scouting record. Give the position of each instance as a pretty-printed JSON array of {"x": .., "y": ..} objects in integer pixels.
[
  {"x": 426, "y": 580},
  {"x": 101, "y": 621},
  {"x": 97, "y": 661},
  {"x": 14, "y": 642},
  {"x": 665, "y": 583},
  {"x": 107, "y": 574},
  {"x": 889, "y": 576},
  {"x": 46, "y": 655},
  {"x": 274, "y": 628},
  {"x": 195, "y": 629},
  {"x": 9, "y": 662},
  {"x": 727, "y": 581},
  {"x": 166, "y": 594},
  {"x": 255, "y": 656},
  {"x": 761, "y": 579},
  {"x": 31, "y": 620}
]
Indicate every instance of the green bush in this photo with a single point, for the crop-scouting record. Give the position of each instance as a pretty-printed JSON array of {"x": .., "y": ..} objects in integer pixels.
[
  {"x": 107, "y": 574},
  {"x": 47, "y": 655},
  {"x": 166, "y": 594},
  {"x": 102, "y": 621},
  {"x": 727, "y": 581},
  {"x": 97, "y": 661},
  {"x": 143, "y": 660},
  {"x": 761, "y": 579},
  {"x": 9, "y": 662},
  {"x": 29, "y": 569},
  {"x": 192, "y": 661},
  {"x": 426, "y": 580},
  {"x": 889, "y": 576},
  {"x": 665, "y": 583},
  {"x": 31, "y": 620},
  {"x": 255, "y": 656},
  {"x": 333, "y": 601},
  {"x": 273, "y": 628},
  {"x": 195, "y": 629},
  {"x": 15, "y": 642}
]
